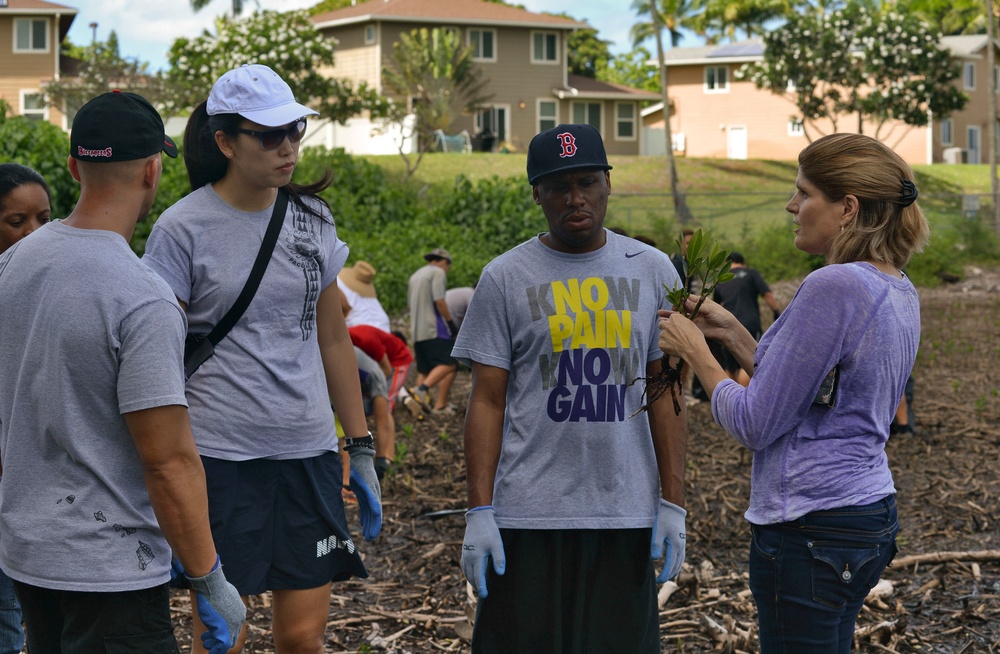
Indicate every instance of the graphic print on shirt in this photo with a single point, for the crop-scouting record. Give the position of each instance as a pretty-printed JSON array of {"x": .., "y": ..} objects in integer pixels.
[
  {"x": 304, "y": 246},
  {"x": 589, "y": 324}
]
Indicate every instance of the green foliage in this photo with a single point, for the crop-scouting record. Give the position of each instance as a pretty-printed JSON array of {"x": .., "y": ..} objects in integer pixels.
[
  {"x": 44, "y": 147},
  {"x": 588, "y": 55},
  {"x": 630, "y": 69},
  {"x": 674, "y": 15},
  {"x": 173, "y": 186},
  {"x": 285, "y": 42},
  {"x": 948, "y": 16},
  {"x": 325, "y": 6},
  {"x": 706, "y": 261},
  {"x": 101, "y": 69},
  {"x": 439, "y": 75},
  {"x": 501, "y": 212},
  {"x": 725, "y": 18},
  {"x": 883, "y": 66}
]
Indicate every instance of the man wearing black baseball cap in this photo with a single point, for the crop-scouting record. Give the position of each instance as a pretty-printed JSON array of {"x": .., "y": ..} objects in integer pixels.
[
  {"x": 104, "y": 486},
  {"x": 573, "y": 490}
]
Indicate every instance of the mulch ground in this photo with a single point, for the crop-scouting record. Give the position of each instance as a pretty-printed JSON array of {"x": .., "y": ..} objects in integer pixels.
[{"x": 942, "y": 595}]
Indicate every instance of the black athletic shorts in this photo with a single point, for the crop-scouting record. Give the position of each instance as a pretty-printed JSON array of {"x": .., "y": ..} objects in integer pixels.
[
  {"x": 433, "y": 353},
  {"x": 127, "y": 622},
  {"x": 568, "y": 591},
  {"x": 280, "y": 524}
]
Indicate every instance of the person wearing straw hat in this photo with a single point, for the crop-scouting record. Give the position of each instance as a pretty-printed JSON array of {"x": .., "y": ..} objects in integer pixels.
[{"x": 359, "y": 299}]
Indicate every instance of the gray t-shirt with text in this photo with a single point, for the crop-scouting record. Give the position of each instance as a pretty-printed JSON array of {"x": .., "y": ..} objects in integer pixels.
[{"x": 573, "y": 330}]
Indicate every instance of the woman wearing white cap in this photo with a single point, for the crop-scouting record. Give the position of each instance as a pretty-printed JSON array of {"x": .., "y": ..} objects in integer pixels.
[{"x": 260, "y": 405}]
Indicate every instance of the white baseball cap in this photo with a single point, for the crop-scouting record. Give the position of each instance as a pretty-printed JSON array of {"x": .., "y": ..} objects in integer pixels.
[{"x": 257, "y": 93}]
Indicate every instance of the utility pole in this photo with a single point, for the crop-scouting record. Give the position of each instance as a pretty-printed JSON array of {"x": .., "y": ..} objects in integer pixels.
[
  {"x": 93, "y": 36},
  {"x": 991, "y": 31},
  {"x": 680, "y": 204}
]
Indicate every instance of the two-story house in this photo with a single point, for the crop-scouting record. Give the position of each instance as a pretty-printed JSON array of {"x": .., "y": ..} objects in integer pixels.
[
  {"x": 523, "y": 54},
  {"x": 30, "y": 34},
  {"x": 717, "y": 116}
]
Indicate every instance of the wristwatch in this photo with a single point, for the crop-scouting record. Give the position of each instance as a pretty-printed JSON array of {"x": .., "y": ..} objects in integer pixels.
[{"x": 365, "y": 442}]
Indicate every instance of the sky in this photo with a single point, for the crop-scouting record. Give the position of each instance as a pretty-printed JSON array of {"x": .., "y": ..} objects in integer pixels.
[{"x": 146, "y": 28}]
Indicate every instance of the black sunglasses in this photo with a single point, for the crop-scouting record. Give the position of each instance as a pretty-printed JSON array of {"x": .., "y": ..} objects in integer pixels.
[{"x": 272, "y": 138}]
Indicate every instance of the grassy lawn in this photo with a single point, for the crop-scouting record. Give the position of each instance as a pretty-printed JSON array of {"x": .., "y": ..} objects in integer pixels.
[{"x": 731, "y": 198}]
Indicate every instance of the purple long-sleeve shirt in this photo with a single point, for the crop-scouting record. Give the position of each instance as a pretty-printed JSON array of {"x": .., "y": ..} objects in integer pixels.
[{"x": 807, "y": 456}]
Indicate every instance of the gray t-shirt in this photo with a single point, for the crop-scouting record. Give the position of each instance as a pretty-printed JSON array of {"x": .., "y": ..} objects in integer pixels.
[
  {"x": 458, "y": 300},
  {"x": 88, "y": 333},
  {"x": 573, "y": 330},
  {"x": 425, "y": 287},
  {"x": 263, "y": 393}
]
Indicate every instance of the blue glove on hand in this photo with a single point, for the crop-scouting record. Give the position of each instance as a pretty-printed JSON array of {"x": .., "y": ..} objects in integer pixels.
[
  {"x": 482, "y": 542},
  {"x": 220, "y": 609},
  {"x": 364, "y": 483},
  {"x": 668, "y": 530}
]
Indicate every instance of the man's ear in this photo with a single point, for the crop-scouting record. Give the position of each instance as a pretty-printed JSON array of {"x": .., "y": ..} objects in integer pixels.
[
  {"x": 607, "y": 178},
  {"x": 74, "y": 168},
  {"x": 534, "y": 194},
  {"x": 151, "y": 171}
]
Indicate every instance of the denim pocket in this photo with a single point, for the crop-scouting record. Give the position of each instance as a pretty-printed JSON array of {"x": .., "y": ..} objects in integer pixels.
[
  {"x": 836, "y": 570},
  {"x": 766, "y": 540}
]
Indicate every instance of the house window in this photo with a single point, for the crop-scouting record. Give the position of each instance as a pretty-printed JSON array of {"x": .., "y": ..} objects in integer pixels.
[
  {"x": 589, "y": 113},
  {"x": 548, "y": 114},
  {"x": 31, "y": 35},
  {"x": 795, "y": 127},
  {"x": 972, "y": 140},
  {"x": 544, "y": 47},
  {"x": 969, "y": 75},
  {"x": 483, "y": 44},
  {"x": 625, "y": 121},
  {"x": 947, "y": 131},
  {"x": 370, "y": 35},
  {"x": 33, "y": 105},
  {"x": 716, "y": 79},
  {"x": 996, "y": 78}
]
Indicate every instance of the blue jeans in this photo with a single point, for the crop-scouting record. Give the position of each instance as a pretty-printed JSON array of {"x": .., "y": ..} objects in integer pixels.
[
  {"x": 809, "y": 577},
  {"x": 11, "y": 632}
]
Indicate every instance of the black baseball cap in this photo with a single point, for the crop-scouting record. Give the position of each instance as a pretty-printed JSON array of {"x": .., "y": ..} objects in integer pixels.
[
  {"x": 118, "y": 126},
  {"x": 565, "y": 147}
]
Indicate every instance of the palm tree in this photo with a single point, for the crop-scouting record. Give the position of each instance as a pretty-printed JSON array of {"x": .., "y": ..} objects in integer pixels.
[
  {"x": 673, "y": 15},
  {"x": 723, "y": 18},
  {"x": 238, "y": 5}
]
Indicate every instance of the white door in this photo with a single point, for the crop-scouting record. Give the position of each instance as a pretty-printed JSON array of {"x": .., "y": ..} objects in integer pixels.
[
  {"x": 736, "y": 142},
  {"x": 972, "y": 141}
]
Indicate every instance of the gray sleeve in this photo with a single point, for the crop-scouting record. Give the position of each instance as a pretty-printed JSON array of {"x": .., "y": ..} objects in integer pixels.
[{"x": 150, "y": 343}]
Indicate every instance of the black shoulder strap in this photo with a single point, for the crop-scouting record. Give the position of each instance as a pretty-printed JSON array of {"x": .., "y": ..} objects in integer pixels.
[{"x": 249, "y": 289}]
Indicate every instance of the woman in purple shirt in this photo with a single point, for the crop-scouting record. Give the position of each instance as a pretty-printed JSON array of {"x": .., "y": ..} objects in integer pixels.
[{"x": 825, "y": 382}]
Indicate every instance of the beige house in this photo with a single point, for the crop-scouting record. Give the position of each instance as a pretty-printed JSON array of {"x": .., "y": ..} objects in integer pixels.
[
  {"x": 715, "y": 115},
  {"x": 522, "y": 53},
  {"x": 31, "y": 32}
]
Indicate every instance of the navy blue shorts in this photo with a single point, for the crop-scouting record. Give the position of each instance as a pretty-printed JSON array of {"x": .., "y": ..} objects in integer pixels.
[{"x": 280, "y": 524}]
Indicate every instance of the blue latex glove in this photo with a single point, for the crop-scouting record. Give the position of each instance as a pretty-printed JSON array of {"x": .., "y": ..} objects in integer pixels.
[
  {"x": 364, "y": 483},
  {"x": 668, "y": 533},
  {"x": 220, "y": 609},
  {"x": 482, "y": 542}
]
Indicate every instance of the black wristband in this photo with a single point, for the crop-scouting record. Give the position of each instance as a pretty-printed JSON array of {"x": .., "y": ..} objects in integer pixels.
[{"x": 363, "y": 442}]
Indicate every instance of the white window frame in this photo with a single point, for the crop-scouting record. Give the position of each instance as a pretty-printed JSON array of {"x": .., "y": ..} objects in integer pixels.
[
  {"x": 796, "y": 127},
  {"x": 969, "y": 75},
  {"x": 586, "y": 104},
  {"x": 538, "y": 114},
  {"x": 717, "y": 89},
  {"x": 31, "y": 32},
  {"x": 477, "y": 56},
  {"x": 535, "y": 59},
  {"x": 371, "y": 35},
  {"x": 633, "y": 121},
  {"x": 41, "y": 114},
  {"x": 947, "y": 131}
]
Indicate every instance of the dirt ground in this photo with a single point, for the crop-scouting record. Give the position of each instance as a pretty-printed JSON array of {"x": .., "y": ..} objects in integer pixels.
[{"x": 943, "y": 591}]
